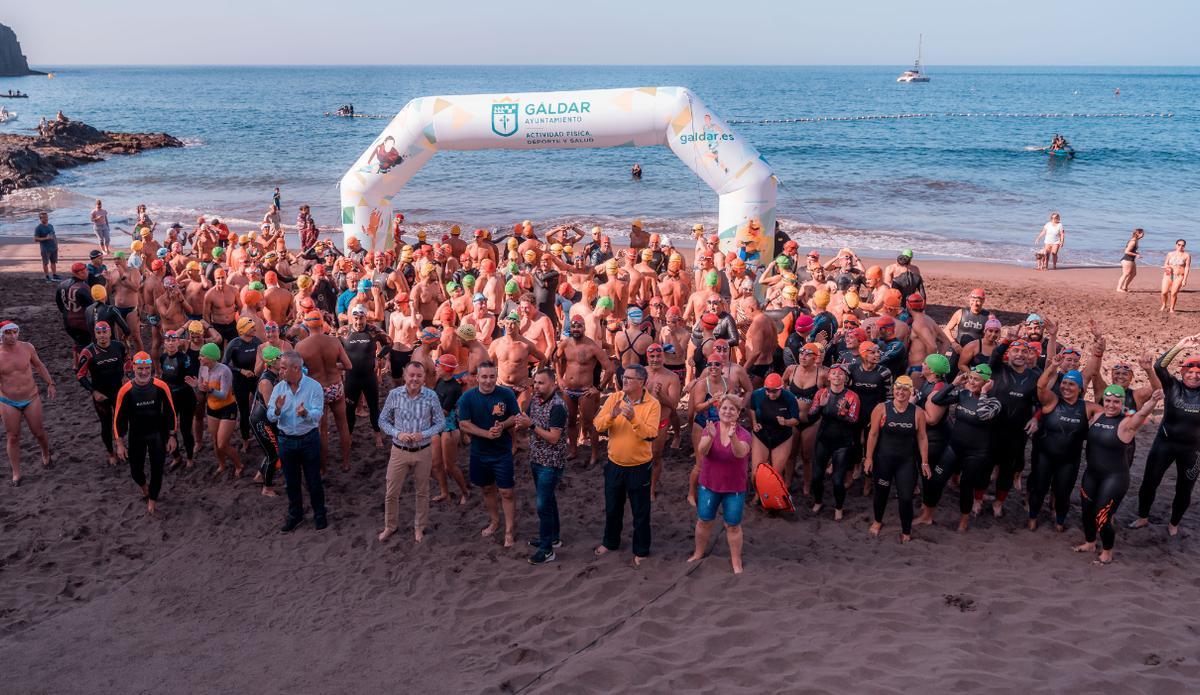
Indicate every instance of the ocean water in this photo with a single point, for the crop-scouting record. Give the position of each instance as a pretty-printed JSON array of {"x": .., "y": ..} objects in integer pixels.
[{"x": 946, "y": 185}]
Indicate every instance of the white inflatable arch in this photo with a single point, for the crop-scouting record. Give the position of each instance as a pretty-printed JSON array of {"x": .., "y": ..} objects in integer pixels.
[{"x": 671, "y": 116}]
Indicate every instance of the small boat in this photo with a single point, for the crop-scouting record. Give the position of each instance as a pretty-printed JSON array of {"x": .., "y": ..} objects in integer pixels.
[
  {"x": 1067, "y": 152},
  {"x": 14, "y": 95},
  {"x": 914, "y": 74},
  {"x": 6, "y": 116}
]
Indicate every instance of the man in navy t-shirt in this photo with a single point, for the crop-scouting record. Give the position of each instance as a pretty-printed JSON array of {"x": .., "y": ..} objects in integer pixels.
[
  {"x": 47, "y": 241},
  {"x": 486, "y": 413}
]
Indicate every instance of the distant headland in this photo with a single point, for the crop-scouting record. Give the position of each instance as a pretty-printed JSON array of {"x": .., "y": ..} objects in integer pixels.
[{"x": 12, "y": 61}]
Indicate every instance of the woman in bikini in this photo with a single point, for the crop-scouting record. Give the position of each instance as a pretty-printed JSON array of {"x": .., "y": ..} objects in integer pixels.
[
  {"x": 1176, "y": 267},
  {"x": 1129, "y": 260},
  {"x": 803, "y": 379}
]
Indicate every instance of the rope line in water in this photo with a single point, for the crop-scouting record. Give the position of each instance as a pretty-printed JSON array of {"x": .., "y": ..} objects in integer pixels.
[{"x": 897, "y": 116}]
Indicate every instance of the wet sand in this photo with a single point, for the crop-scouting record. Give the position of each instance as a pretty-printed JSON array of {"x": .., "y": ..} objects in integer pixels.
[{"x": 95, "y": 597}]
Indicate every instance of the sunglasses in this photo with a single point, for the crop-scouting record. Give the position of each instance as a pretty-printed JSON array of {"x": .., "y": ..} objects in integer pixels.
[
  {"x": 144, "y": 362},
  {"x": 853, "y": 324},
  {"x": 170, "y": 336}
]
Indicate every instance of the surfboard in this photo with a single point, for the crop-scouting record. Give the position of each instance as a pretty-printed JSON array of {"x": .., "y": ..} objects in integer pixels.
[{"x": 772, "y": 493}]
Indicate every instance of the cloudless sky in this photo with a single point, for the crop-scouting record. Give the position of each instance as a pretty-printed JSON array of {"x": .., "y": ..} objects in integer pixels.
[{"x": 641, "y": 32}]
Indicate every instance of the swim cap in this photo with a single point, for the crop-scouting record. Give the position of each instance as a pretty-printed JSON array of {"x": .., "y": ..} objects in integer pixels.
[
  {"x": 647, "y": 254},
  {"x": 711, "y": 279},
  {"x": 468, "y": 281},
  {"x": 903, "y": 381},
  {"x": 193, "y": 265},
  {"x": 1034, "y": 318},
  {"x": 992, "y": 323},
  {"x": 1074, "y": 376},
  {"x": 448, "y": 363},
  {"x": 673, "y": 311},
  {"x": 916, "y": 302},
  {"x": 804, "y": 323},
  {"x": 983, "y": 370},
  {"x": 364, "y": 285},
  {"x": 251, "y": 297},
  {"x": 195, "y": 327},
  {"x": 977, "y": 293},
  {"x": 1114, "y": 390},
  {"x": 604, "y": 303},
  {"x": 530, "y": 255},
  {"x": 512, "y": 316},
  {"x": 161, "y": 253},
  {"x": 773, "y": 381},
  {"x": 456, "y": 230},
  {"x": 99, "y": 293},
  {"x": 821, "y": 298},
  {"x": 852, "y": 299},
  {"x": 783, "y": 261},
  {"x": 137, "y": 245},
  {"x": 709, "y": 321},
  {"x": 220, "y": 273},
  {"x": 358, "y": 310},
  {"x": 271, "y": 353},
  {"x": 245, "y": 324},
  {"x": 813, "y": 348},
  {"x": 511, "y": 287},
  {"x": 452, "y": 286},
  {"x": 937, "y": 363},
  {"x": 891, "y": 298},
  {"x": 466, "y": 331},
  {"x": 885, "y": 322},
  {"x": 790, "y": 292},
  {"x": 257, "y": 286},
  {"x": 217, "y": 252},
  {"x": 487, "y": 265},
  {"x": 875, "y": 272},
  {"x": 141, "y": 357},
  {"x": 907, "y": 253},
  {"x": 304, "y": 281},
  {"x": 210, "y": 351},
  {"x": 635, "y": 315},
  {"x": 865, "y": 345}
]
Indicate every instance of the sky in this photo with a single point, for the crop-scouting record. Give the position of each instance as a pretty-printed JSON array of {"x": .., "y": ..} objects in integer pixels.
[{"x": 642, "y": 32}]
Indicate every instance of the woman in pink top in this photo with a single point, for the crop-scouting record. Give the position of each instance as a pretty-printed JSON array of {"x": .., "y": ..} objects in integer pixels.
[{"x": 724, "y": 451}]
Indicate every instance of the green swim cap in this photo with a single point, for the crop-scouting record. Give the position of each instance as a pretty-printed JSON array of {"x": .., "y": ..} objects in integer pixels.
[
  {"x": 937, "y": 363},
  {"x": 211, "y": 351},
  {"x": 604, "y": 303},
  {"x": 711, "y": 279},
  {"x": 451, "y": 286},
  {"x": 218, "y": 252},
  {"x": 783, "y": 262},
  {"x": 983, "y": 370},
  {"x": 256, "y": 285},
  {"x": 512, "y": 267},
  {"x": 1115, "y": 390},
  {"x": 271, "y": 353},
  {"x": 907, "y": 253},
  {"x": 119, "y": 254},
  {"x": 468, "y": 281},
  {"x": 510, "y": 287}
]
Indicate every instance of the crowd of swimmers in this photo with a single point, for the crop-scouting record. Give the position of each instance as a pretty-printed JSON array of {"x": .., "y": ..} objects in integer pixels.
[{"x": 548, "y": 347}]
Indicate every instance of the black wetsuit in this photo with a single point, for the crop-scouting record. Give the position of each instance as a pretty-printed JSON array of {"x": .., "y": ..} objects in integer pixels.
[
  {"x": 100, "y": 311},
  {"x": 545, "y": 294},
  {"x": 908, "y": 283},
  {"x": 1176, "y": 442},
  {"x": 73, "y": 296},
  {"x": 241, "y": 353},
  {"x": 101, "y": 370},
  {"x": 970, "y": 325},
  {"x": 361, "y": 347},
  {"x": 146, "y": 413},
  {"x": 894, "y": 356},
  {"x": 1057, "y": 447},
  {"x": 1105, "y": 481},
  {"x": 1017, "y": 393},
  {"x": 767, "y": 413},
  {"x": 174, "y": 369},
  {"x": 873, "y": 387},
  {"x": 941, "y": 460},
  {"x": 895, "y": 459},
  {"x": 969, "y": 439},
  {"x": 837, "y": 441},
  {"x": 726, "y": 328},
  {"x": 264, "y": 430}
]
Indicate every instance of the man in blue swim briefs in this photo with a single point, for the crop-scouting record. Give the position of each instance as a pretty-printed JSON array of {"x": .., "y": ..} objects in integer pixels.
[
  {"x": 19, "y": 398},
  {"x": 486, "y": 413}
]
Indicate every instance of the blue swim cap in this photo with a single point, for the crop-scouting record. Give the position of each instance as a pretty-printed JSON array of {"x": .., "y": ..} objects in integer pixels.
[
  {"x": 479, "y": 297},
  {"x": 364, "y": 285},
  {"x": 1074, "y": 375},
  {"x": 161, "y": 253},
  {"x": 634, "y": 314},
  {"x": 1034, "y": 318}
]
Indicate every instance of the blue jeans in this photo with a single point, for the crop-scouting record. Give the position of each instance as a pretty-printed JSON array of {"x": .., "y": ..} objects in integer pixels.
[
  {"x": 302, "y": 456},
  {"x": 545, "y": 481}
]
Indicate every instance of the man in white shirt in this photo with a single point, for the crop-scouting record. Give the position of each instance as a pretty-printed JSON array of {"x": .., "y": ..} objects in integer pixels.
[{"x": 410, "y": 417}]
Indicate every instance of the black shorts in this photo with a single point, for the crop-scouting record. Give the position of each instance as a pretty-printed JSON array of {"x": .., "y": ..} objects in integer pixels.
[
  {"x": 228, "y": 412},
  {"x": 759, "y": 370},
  {"x": 228, "y": 331},
  {"x": 398, "y": 360}
]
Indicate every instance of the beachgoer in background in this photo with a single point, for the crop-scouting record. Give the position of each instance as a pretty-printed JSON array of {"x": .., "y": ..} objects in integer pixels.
[
  {"x": 1055, "y": 237},
  {"x": 47, "y": 241},
  {"x": 19, "y": 399},
  {"x": 296, "y": 405},
  {"x": 1129, "y": 260},
  {"x": 1176, "y": 267},
  {"x": 411, "y": 417},
  {"x": 275, "y": 199},
  {"x": 631, "y": 418},
  {"x": 636, "y": 171},
  {"x": 101, "y": 228},
  {"x": 724, "y": 453}
]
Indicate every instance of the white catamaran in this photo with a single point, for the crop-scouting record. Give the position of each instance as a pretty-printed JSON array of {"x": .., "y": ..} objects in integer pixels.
[{"x": 914, "y": 74}]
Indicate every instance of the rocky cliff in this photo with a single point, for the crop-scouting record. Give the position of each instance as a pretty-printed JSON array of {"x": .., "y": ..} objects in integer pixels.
[
  {"x": 12, "y": 61},
  {"x": 27, "y": 161}
]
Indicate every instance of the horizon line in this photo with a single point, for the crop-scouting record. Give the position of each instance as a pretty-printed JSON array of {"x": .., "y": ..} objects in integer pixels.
[{"x": 48, "y": 67}]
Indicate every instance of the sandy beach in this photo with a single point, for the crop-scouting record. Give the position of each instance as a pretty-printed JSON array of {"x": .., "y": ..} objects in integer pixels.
[{"x": 96, "y": 597}]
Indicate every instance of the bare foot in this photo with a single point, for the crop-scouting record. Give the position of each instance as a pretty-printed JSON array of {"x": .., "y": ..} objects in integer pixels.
[
  {"x": 837, "y": 515},
  {"x": 675, "y": 441},
  {"x": 490, "y": 529},
  {"x": 874, "y": 530},
  {"x": 637, "y": 561},
  {"x": 386, "y": 533},
  {"x": 904, "y": 538},
  {"x": 1139, "y": 523},
  {"x": 1172, "y": 530},
  {"x": 268, "y": 492},
  {"x": 737, "y": 568},
  {"x": 47, "y": 460},
  {"x": 245, "y": 445},
  {"x": 378, "y": 441},
  {"x": 258, "y": 477},
  {"x": 1032, "y": 524},
  {"x": 977, "y": 507},
  {"x": 419, "y": 535},
  {"x": 695, "y": 556},
  {"x": 1016, "y": 481},
  {"x": 1059, "y": 528},
  {"x": 175, "y": 463},
  {"x": 462, "y": 499},
  {"x": 112, "y": 459},
  {"x": 151, "y": 506},
  {"x": 1086, "y": 547},
  {"x": 440, "y": 498},
  {"x": 600, "y": 550},
  {"x": 237, "y": 471},
  {"x": 1106, "y": 558},
  {"x": 963, "y": 523},
  {"x": 188, "y": 463},
  {"x": 215, "y": 475},
  {"x": 816, "y": 508},
  {"x": 925, "y": 518},
  {"x": 997, "y": 509},
  {"x": 509, "y": 541}
]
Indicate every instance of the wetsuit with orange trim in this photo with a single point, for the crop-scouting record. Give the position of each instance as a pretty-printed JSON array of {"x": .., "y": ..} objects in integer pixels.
[
  {"x": 100, "y": 370},
  {"x": 1105, "y": 480},
  {"x": 837, "y": 441},
  {"x": 146, "y": 413}
]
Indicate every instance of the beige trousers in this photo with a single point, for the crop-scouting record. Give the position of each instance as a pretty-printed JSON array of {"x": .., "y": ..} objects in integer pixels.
[{"x": 399, "y": 463}]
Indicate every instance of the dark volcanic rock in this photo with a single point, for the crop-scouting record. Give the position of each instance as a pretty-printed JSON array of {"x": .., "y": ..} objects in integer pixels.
[
  {"x": 27, "y": 161},
  {"x": 12, "y": 61}
]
